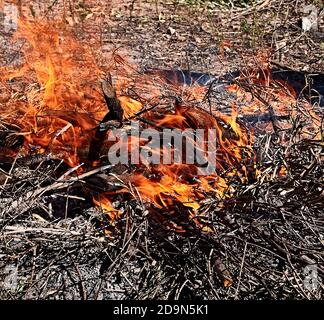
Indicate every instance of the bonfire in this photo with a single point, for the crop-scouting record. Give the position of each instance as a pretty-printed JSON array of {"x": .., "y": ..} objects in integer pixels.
[{"x": 175, "y": 181}]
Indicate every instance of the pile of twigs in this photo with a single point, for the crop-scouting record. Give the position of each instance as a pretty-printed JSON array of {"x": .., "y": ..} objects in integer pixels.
[{"x": 267, "y": 241}]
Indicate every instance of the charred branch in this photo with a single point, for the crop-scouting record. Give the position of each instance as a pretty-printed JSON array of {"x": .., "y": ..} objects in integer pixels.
[{"x": 112, "y": 119}]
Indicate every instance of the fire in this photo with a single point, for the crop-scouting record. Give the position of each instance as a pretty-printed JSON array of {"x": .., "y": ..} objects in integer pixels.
[
  {"x": 278, "y": 98},
  {"x": 130, "y": 106},
  {"x": 61, "y": 106},
  {"x": 106, "y": 206}
]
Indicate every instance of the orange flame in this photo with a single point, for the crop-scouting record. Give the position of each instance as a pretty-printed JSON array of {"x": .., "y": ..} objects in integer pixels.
[{"x": 62, "y": 106}]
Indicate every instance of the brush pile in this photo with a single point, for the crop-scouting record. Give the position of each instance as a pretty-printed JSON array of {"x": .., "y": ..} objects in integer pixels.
[{"x": 76, "y": 225}]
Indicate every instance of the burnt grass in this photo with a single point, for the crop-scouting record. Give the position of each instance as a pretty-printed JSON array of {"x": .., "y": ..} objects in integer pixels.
[{"x": 265, "y": 238}]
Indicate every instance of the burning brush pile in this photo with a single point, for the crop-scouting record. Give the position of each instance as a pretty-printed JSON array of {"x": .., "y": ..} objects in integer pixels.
[{"x": 117, "y": 183}]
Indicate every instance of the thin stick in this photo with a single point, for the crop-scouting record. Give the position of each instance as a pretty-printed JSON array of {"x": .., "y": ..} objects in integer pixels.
[{"x": 240, "y": 274}]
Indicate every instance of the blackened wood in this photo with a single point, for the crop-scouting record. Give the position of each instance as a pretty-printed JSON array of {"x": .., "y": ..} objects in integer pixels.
[{"x": 111, "y": 120}]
